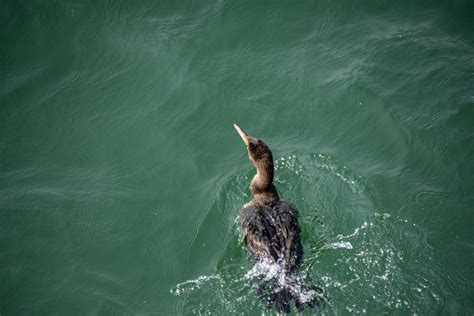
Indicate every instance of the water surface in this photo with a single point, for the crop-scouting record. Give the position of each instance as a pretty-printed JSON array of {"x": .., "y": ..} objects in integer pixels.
[{"x": 121, "y": 175}]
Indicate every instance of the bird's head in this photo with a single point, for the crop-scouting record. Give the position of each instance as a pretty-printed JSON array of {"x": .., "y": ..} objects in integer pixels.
[{"x": 259, "y": 152}]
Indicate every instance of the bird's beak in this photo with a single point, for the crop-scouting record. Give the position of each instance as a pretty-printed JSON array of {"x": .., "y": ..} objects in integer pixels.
[{"x": 242, "y": 134}]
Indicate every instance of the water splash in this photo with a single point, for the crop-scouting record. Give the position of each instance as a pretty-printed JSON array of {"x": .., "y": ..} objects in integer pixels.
[
  {"x": 341, "y": 244},
  {"x": 190, "y": 285},
  {"x": 338, "y": 245},
  {"x": 355, "y": 233},
  {"x": 298, "y": 284}
]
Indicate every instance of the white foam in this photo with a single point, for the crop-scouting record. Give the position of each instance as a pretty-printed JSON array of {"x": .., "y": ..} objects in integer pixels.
[
  {"x": 355, "y": 233},
  {"x": 268, "y": 269},
  {"x": 339, "y": 245},
  {"x": 190, "y": 285}
]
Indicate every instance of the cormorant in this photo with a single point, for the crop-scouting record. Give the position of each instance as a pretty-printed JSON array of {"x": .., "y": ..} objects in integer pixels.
[{"x": 270, "y": 225}]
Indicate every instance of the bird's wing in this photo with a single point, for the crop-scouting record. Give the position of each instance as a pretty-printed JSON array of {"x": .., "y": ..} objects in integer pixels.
[
  {"x": 288, "y": 234},
  {"x": 259, "y": 229},
  {"x": 272, "y": 232}
]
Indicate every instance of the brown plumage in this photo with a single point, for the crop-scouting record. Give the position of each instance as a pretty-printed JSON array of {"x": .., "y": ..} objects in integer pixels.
[{"x": 270, "y": 225}]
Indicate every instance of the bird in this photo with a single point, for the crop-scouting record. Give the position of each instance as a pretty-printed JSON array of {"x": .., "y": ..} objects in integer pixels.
[{"x": 270, "y": 225}]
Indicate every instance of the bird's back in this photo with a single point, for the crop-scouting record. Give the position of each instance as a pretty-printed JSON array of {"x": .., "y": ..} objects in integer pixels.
[{"x": 273, "y": 232}]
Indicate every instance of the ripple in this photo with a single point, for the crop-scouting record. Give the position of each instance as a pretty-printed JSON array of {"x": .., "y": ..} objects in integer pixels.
[
  {"x": 297, "y": 175},
  {"x": 102, "y": 169}
]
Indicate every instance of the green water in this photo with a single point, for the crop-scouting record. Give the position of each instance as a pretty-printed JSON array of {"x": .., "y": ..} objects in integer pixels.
[{"x": 121, "y": 175}]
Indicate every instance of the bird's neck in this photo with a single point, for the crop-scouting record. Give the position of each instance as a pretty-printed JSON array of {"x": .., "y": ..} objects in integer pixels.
[{"x": 263, "y": 190}]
